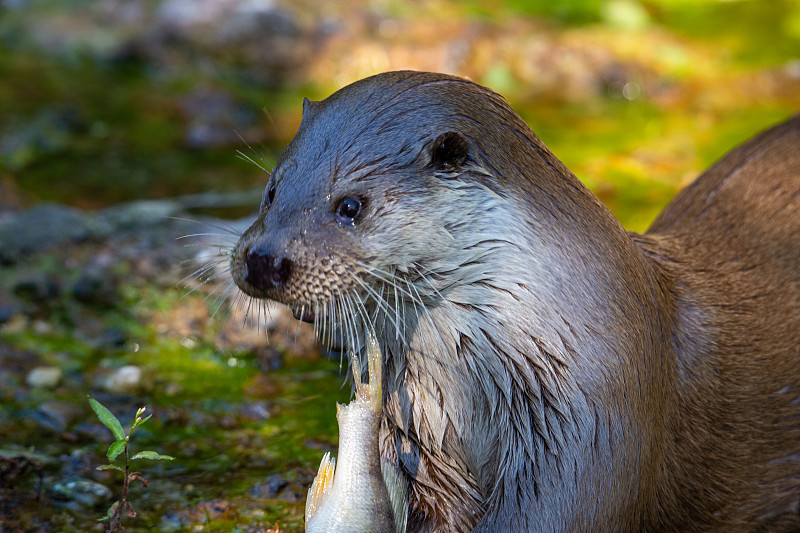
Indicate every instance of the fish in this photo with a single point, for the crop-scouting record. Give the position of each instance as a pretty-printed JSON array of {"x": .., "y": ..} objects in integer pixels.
[{"x": 361, "y": 492}]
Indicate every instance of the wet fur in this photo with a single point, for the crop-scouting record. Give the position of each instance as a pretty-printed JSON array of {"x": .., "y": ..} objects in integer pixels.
[{"x": 545, "y": 370}]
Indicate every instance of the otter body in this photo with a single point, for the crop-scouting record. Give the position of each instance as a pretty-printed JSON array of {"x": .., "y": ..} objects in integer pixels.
[{"x": 544, "y": 370}]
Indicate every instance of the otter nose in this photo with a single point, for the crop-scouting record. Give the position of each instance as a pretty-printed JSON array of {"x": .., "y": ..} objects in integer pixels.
[{"x": 265, "y": 271}]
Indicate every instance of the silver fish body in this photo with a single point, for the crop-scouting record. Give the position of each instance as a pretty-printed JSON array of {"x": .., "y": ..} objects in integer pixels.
[{"x": 360, "y": 493}]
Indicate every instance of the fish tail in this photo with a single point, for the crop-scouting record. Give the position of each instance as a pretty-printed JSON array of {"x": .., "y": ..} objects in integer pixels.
[{"x": 320, "y": 488}]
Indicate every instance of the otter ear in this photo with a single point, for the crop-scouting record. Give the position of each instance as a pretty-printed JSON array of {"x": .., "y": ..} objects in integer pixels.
[
  {"x": 308, "y": 107},
  {"x": 449, "y": 151}
]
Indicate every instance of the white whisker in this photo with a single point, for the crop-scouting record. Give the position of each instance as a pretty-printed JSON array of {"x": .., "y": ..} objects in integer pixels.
[{"x": 228, "y": 229}]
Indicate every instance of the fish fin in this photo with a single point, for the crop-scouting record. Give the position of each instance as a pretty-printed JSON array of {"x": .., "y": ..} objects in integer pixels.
[
  {"x": 321, "y": 485},
  {"x": 398, "y": 494},
  {"x": 374, "y": 390}
]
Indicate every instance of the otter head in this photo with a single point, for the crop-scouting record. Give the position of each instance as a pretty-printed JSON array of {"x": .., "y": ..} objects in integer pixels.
[
  {"x": 402, "y": 187},
  {"x": 371, "y": 187}
]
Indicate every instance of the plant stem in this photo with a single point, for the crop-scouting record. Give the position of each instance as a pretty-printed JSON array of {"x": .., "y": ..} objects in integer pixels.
[{"x": 114, "y": 522}]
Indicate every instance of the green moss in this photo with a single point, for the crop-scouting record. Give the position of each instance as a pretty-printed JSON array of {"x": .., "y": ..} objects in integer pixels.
[
  {"x": 48, "y": 345},
  {"x": 571, "y": 12},
  {"x": 635, "y": 156},
  {"x": 755, "y": 33},
  {"x": 735, "y": 126},
  {"x": 201, "y": 372}
]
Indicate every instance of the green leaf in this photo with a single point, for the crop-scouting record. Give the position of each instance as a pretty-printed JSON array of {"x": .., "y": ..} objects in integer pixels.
[
  {"x": 110, "y": 467},
  {"x": 152, "y": 455},
  {"x": 107, "y": 418},
  {"x": 116, "y": 448},
  {"x": 110, "y": 512},
  {"x": 140, "y": 421}
]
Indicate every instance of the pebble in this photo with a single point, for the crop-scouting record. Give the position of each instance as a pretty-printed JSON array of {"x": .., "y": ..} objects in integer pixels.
[
  {"x": 123, "y": 380},
  {"x": 269, "y": 488},
  {"x": 44, "y": 377}
]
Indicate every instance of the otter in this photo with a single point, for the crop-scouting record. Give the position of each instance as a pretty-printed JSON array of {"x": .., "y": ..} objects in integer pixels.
[{"x": 544, "y": 369}]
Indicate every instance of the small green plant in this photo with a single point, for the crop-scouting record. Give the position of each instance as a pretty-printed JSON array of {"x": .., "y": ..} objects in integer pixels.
[{"x": 120, "y": 447}]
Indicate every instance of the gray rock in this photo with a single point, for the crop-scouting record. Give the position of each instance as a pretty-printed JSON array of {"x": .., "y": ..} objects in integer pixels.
[
  {"x": 57, "y": 415},
  {"x": 40, "y": 228},
  {"x": 85, "y": 492},
  {"x": 79, "y": 462},
  {"x": 135, "y": 216},
  {"x": 269, "y": 488}
]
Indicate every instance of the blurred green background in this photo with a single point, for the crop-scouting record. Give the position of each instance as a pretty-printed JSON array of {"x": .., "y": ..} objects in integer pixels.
[{"x": 102, "y": 102}]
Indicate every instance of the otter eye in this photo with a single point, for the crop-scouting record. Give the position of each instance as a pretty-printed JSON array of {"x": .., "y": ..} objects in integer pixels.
[
  {"x": 347, "y": 210},
  {"x": 269, "y": 194}
]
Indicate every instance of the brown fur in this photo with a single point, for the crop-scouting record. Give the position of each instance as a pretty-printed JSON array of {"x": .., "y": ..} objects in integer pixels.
[{"x": 728, "y": 253}]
